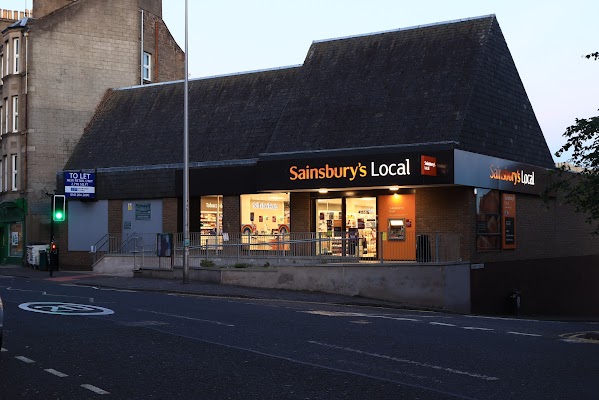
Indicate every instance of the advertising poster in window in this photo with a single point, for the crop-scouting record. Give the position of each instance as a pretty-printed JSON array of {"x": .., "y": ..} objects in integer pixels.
[
  {"x": 488, "y": 220},
  {"x": 16, "y": 240},
  {"x": 508, "y": 202}
]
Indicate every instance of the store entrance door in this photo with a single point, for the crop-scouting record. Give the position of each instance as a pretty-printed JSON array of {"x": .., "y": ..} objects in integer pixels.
[
  {"x": 346, "y": 227},
  {"x": 361, "y": 225}
]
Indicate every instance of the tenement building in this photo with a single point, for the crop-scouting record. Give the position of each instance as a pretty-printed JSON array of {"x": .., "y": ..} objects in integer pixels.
[
  {"x": 417, "y": 145},
  {"x": 56, "y": 63}
]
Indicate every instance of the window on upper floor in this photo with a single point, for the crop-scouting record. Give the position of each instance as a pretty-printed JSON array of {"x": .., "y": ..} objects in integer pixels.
[
  {"x": 5, "y": 115},
  {"x": 7, "y": 54},
  {"x": 147, "y": 67},
  {"x": 15, "y": 168},
  {"x": 5, "y": 175},
  {"x": 15, "y": 113},
  {"x": 1, "y": 120},
  {"x": 1, "y": 175},
  {"x": 1, "y": 68},
  {"x": 15, "y": 49}
]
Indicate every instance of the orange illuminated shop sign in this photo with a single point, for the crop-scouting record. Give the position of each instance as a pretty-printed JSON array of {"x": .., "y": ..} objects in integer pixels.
[{"x": 514, "y": 176}]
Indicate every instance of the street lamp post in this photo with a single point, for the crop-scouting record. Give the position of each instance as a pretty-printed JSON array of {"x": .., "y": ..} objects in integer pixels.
[{"x": 186, "y": 163}]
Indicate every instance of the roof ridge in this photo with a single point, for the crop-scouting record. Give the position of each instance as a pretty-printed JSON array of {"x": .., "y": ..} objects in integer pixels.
[
  {"x": 205, "y": 78},
  {"x": 455, "y": 21}
]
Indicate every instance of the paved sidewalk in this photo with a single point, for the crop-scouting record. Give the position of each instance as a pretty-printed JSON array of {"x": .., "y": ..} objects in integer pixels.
[{"x": 88, "y": 278}]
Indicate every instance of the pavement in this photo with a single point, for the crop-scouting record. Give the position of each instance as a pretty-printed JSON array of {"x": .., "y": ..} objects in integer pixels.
[{"x": 89, "y": 278}]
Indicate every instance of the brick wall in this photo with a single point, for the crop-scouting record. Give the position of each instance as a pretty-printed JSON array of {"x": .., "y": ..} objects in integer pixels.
[
  {"x": 169, "y": 215},
  {"x": 115, "y": 216},
  {"x": 447, "y": 209},
  {"x": 231, "y": 214},
  {"x": 300, "y": 212}
]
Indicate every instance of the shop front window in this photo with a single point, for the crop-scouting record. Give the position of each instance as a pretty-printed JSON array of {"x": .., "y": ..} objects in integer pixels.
[
  {"x": 211, "y": 215},
  {"x": 488, "y": 220},
  {"x": 265, "y": 214},
  {"x": 347, "y": 232},
  {"x": 16, "y": 240}
]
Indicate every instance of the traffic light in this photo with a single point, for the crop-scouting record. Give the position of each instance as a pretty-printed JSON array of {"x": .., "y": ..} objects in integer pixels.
[{"x": 59, "y": 209}]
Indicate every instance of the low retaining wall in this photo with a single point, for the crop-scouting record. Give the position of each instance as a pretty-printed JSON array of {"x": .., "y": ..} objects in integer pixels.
[{"x": 445, "y": 287}]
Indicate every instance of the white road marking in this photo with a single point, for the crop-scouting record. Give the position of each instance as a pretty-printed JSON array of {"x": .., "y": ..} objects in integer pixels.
[
  {"x": 513, "y": 319},
  {"x": 525, "y": 334},
  {"x": 94, "y": 389},
  {"x": 25, "y": 359},
  {"x": 402, "y": 319},
  {"x": 3, "y": 349},
  {"x": 403, "y": 360},
  {"x": 441, "y": 324},
  {"x": 189, "y": 318},
  {"x": 474, "y": 328},
  {"x": 55, "y": 372},
  {"x": 351, "y": 314}
]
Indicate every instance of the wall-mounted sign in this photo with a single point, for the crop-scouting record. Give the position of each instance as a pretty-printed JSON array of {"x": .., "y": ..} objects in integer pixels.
[
  {"x": 428, "y": 166},
  {"x": 356, "y": 171},
  {"x": 477, "y": 170},
  {"x": 80, "y": 185},
  {"x": 143, "y": 212},
  {"x": 509, "y": 220}
]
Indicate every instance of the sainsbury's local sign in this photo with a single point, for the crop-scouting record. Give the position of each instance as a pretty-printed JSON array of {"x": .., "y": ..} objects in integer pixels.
[
  {"x": 350, "y": 172},
  {"x": 80, "y": 185},
  {"x": 356, "y": 171}
]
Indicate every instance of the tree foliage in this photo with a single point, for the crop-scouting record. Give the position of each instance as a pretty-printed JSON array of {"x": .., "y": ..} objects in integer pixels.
[{"x": 582, "y": 190}]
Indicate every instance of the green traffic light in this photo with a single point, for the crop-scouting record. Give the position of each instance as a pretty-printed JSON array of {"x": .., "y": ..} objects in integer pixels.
[{"x": 58, "y": 216}]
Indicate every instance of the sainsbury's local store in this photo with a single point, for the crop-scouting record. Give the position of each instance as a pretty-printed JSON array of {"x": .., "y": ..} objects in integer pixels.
[{"x": 382, "y": 139}]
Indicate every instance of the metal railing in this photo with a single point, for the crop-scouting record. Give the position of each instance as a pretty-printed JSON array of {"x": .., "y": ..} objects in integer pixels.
[{"x": 308, "y": 248}]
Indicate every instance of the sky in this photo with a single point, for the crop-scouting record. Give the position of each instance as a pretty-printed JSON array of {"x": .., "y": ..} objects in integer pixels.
[{"x": 547, "y": 39}]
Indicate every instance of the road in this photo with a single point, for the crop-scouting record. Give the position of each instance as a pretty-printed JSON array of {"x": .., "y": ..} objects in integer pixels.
[{"x": 144, "y": 345}]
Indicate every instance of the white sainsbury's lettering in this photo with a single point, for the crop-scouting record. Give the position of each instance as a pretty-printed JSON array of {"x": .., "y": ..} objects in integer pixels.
[{"x": 392, "y": 169}]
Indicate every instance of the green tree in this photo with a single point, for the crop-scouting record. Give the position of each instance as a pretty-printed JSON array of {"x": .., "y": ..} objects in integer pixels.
[{"x": 582, "y": 191}]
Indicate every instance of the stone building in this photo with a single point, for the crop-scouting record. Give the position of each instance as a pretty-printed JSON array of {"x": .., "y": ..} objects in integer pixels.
[{"x": 57, "y": 62}]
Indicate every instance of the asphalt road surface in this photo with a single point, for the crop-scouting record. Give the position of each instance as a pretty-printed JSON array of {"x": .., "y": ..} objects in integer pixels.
[{"x": 64, "y": 341}]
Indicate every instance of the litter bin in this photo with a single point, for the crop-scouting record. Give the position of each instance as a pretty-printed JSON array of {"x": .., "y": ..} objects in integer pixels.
[
  {"x": 43, "y": 260},
  {"x": 423, "y": 249}
]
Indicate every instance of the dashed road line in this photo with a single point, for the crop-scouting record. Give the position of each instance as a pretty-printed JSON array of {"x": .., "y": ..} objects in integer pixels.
[
  {"x": 94, "y": 389},
  {"x": 524, "y": 334},
  {"x": 474, "y": 328},
  {"x": 55, "y": 372},
  {"x": 25, "y": 359},
  {"x": 411, "y": 362},
  {"x": 188, "y": 318},
  {"x": 441, "y": 324}
]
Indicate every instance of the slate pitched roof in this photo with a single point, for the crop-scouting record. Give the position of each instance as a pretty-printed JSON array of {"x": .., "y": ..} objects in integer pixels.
[
  {"x": 453, "y": 83},
  {"x": 230, "y": 118}
]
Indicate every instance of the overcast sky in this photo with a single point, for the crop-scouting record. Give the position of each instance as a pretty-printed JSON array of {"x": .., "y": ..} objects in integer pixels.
[{"x": 547, "y": 39}]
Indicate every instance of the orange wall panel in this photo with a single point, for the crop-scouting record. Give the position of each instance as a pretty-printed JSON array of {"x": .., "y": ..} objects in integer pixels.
[{"x": 398, "y": 206}]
